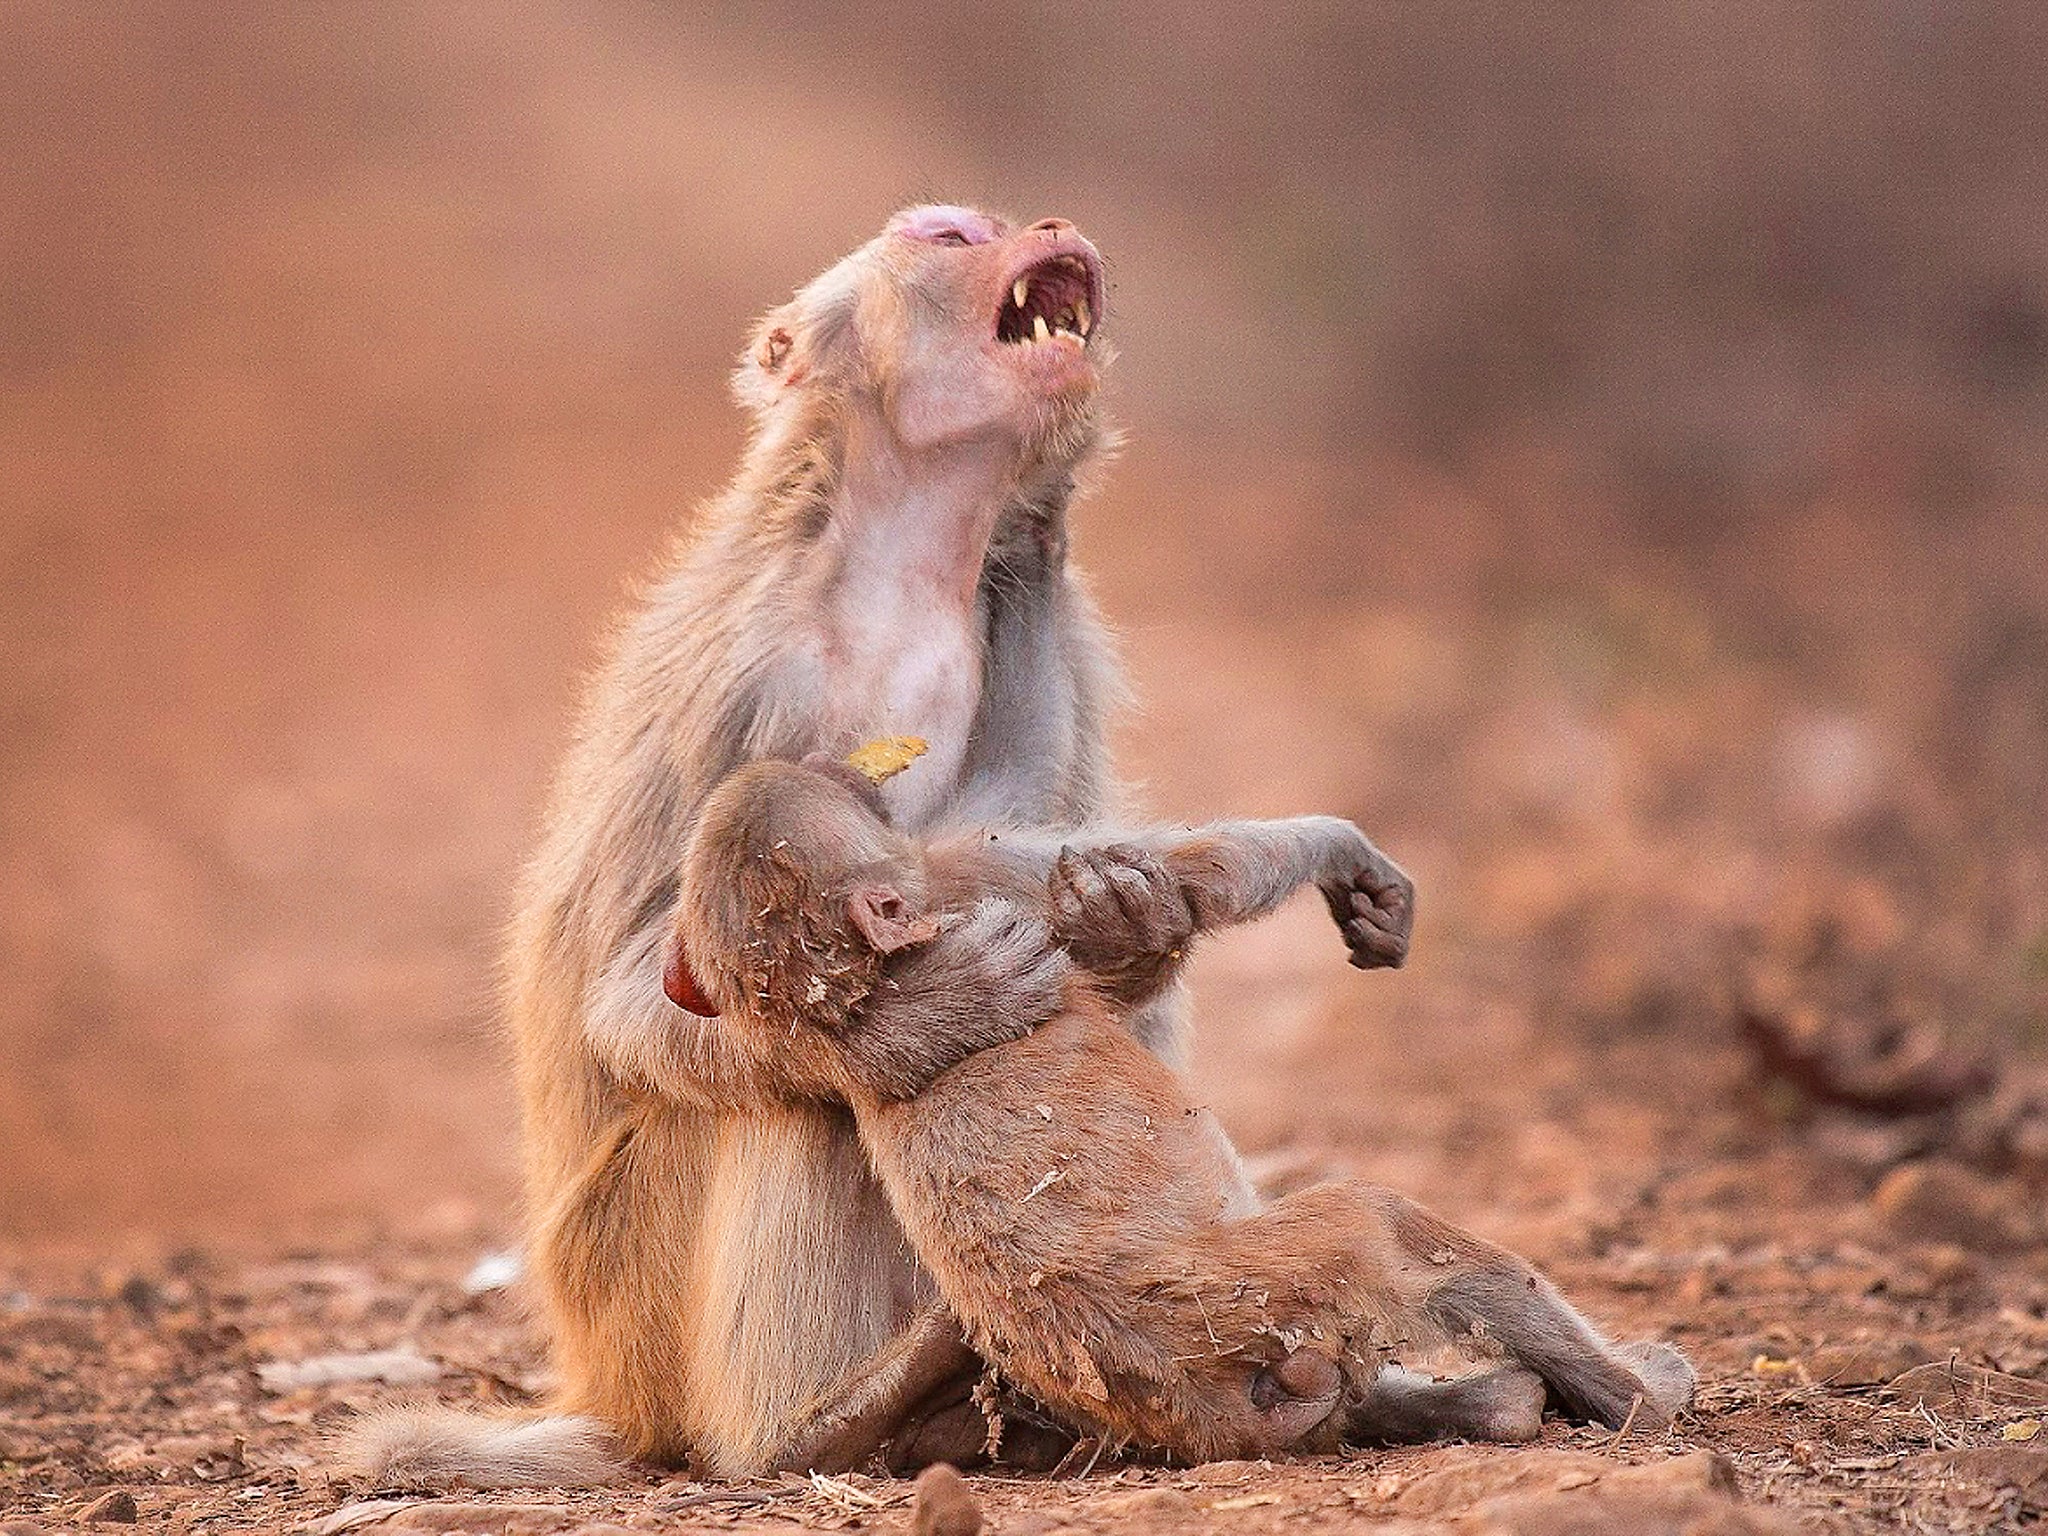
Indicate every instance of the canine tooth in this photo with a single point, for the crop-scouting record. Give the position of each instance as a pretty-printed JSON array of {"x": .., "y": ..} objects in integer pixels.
[
  {"x": 1018, "y": 291},
  {"x": 1038, "y": 329},
  {"x": 1087, "y": 320}
]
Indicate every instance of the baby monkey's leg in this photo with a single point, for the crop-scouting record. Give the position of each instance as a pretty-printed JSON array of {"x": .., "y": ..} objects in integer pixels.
[
  {"x": 858, "y": 1415},
  {"x": 1461, "y": 1285},
  {"x": 1502, "y": 1403}
]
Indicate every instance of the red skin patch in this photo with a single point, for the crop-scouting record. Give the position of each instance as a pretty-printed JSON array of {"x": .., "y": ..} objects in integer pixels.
[{"x": 682, "y": 987}]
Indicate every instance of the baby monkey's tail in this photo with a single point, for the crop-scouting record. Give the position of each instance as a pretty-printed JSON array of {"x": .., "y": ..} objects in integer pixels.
[{"x": 440, "y": 1448}]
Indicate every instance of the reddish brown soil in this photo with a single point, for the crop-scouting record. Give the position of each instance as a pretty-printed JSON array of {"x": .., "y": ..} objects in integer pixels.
[
  {"x": 322, "y": 469},
  {"x": 1600, "y": 790}
]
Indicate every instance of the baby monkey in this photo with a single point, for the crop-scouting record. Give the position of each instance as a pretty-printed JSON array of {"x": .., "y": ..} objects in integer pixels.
[{"x": 1084, "y": 1222}]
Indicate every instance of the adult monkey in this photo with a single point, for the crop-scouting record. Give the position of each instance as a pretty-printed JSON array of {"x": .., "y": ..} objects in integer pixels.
[{"x": 719, "y": 1267}]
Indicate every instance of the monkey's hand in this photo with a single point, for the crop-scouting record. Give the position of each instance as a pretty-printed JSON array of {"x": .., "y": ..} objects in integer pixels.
[
  {"x": 990, "y": 976},
  {"x": 1372, "y": 899},
  {"x": 1122, "y": 914}
]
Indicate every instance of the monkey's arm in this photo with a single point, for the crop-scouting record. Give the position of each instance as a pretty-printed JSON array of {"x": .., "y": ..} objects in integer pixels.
[
  {"x": 1235, "y": 871},
  {"x": 994, "y": 973},
  {"x": 1128, "y": 905},
  {"x": 649, "y": 1041}
]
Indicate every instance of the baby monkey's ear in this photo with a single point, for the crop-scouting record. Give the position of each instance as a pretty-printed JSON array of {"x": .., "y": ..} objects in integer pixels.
[{"x": 885, "y": 920}]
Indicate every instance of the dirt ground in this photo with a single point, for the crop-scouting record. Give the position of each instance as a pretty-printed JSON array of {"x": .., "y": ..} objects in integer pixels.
[
  {"x": 325, "y": 455},
  {"x": 1629, "y": 829}
]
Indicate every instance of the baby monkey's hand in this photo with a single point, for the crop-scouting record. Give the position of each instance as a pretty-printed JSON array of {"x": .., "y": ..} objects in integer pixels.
[
  {"x": 991, "y": 975},
  {"x": 1373, "y": 901},
  {"x": 1121, "y": 913}
]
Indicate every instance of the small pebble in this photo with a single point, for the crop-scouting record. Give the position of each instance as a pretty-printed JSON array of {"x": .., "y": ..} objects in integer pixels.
[
  {"x": 943, "y": 1505},
  {"x": 114, "y": 1507}
]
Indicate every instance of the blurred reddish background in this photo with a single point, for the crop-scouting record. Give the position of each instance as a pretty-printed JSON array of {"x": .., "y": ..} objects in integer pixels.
[{"x": 1599, "y": 446}]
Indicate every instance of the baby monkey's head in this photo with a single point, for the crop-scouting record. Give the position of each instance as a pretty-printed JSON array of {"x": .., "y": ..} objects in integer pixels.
[
  {"x": 955, "y": 326},
  {"x": 795, "y": 889}
]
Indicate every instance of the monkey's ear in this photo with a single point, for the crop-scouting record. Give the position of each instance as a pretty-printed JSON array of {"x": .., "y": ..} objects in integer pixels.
[
  {"x": 885, "y": 920},
  {"x": 772, "y": 348},
  {"x": 681, "y": 984},
  {"x": 773, "y": 359}
]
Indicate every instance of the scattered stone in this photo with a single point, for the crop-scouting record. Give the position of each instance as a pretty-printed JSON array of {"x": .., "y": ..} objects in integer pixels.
[
  {"x": 2018, "y": 1468},
  {"x": 492, "y": 1272},
  {"x": 1472, "y": 1474},
  {"x": 1154, "y": 1503},
  {"x": 1944, "y": 1202},
  {"x": 1967, "y": 1391},
  {"x": 393, "y": 1367},
  {"x": 114, "y": 1507},
  {"x": 140, "y": 1296},
  {"x": 941, "y": 1504},
  {"x": 21, "y": 1528},
  {"x": 1863, "y": 1362},
  {"x": 1558, "y": 1492},
  {"x": 1210, "y": 1473},
  {"x": 1632, "y": 1513},
  {"x": 349, "y": 1516},
  {"x": 480, "y": 1519},
  {"x": 1245, "y": 1501}
]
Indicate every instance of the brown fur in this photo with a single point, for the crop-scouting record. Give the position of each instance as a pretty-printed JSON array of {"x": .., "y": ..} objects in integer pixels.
[
  {"x": 1072, "y": 1204},
  {"x": 717, "y": 1264}
]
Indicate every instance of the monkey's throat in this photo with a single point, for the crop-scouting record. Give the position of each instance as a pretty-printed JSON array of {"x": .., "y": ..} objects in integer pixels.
[{"x": 902, "y": 642}]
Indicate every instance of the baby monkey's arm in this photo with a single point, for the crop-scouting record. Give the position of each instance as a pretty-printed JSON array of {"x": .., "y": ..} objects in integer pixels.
[
  {"x": 1126, "y": 906},
  {"x": 1235, "y": 871}
]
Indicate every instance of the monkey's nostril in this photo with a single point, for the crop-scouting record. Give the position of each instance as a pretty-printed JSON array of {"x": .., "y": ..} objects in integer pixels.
[{"x": 1052, "y": 226}]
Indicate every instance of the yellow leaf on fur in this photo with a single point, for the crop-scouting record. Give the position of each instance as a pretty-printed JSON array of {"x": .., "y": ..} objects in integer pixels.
[{"x": 881, "y": 760}]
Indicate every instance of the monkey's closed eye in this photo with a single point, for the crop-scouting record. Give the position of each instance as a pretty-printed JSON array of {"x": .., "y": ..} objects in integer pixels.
[{"x": 946, "y": 225}]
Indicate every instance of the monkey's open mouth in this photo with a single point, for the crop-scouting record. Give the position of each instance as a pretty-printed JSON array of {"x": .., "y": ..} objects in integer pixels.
[{"x": 1058, "y": 296}]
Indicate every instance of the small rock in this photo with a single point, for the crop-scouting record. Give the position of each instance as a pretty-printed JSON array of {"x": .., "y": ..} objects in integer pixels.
[
  {"x": 349, "y": 1516},
  {"x": 1695, "y": 1472},
  {"x": 942, "y": 1504},
  {"x": 140, "y": 1296},
  {"x": 1147, "y": 1503},
  {"x": 452, "y": 1517},
  {"x": 114, "y": 1507},
  {"x": 1210, "y": 1473},
  {"x": 393, "y": 1367},
  {"x": 1863, "y": 1362},
  {"x": 21, "y": 1528},
  {"x": 1972, "y": 1391},
  {"x": 492, "y": 1272},
  {"x": 2019, "y": 1468},
  {"x": 1944, "y": 1202}
]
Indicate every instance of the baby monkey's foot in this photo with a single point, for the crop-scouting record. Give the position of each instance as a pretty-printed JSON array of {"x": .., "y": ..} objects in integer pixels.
[
  {"x": 1120, "y": 912},
  {"x": 1296, "y": 1395},
  {"x": 1502, "y": 1403},
  {"x": 1668, "y": 1381}
]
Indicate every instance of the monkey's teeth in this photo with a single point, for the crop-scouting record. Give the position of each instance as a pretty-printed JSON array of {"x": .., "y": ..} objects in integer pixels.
[
  {"x": 1087, "y": 320},
  {"x": 1019, "y": 290},
  {"x": 1039, "y": 332}
]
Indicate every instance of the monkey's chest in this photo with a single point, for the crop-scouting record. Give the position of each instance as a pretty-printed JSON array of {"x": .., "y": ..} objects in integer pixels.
[{"x": 901, "y": 672}]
